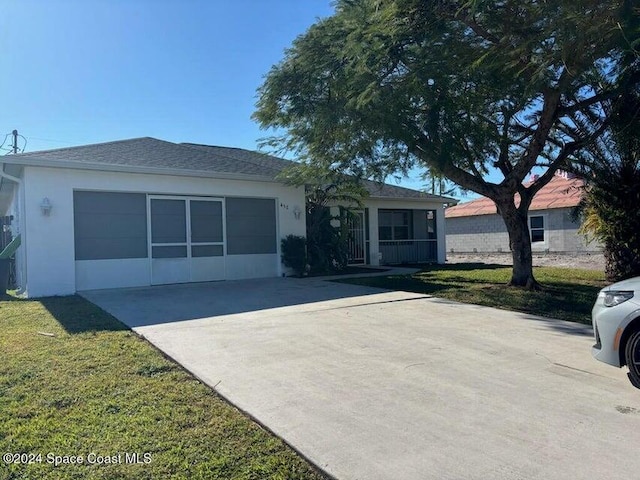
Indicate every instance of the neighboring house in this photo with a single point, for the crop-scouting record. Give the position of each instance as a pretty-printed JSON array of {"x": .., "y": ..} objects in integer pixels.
[
  {"x": 147, "y": 212},
  {"x": 475, "y": 226}
]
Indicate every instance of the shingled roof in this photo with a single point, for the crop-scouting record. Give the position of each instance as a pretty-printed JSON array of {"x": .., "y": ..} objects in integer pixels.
[
  {"x": 560, "y": 192},
  {"x": 144, "y": 155},
  {"x": 263, "y": 160},
  {"x": 150, "y": 155},
  {"x": 375, "y": 189}
]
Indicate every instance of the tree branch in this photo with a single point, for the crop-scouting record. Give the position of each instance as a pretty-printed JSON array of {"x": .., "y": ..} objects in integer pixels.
[
  {"x": 600, "y": 97},
  {"x": 423, "y": 149},
  {"x": 547, "y": 118},
  {"x": 479, "y": 30},
  {"x": 566, "y": 152},
  {"x": 503, "y": 158}
]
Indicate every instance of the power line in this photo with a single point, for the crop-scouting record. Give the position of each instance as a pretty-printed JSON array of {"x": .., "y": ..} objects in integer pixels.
[
  {"x": 14, "y": 146},
  {"x": 48, "y": 140},
  {"x": 4, "y": 141},
  {"x": 25, "y": 143}
]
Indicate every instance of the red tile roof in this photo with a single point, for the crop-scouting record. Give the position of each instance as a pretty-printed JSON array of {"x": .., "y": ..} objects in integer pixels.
[{"x": 560, "y": 192}]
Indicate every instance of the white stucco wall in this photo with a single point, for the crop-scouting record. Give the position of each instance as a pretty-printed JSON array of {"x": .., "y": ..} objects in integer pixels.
[{"x": 48, "y": 241}]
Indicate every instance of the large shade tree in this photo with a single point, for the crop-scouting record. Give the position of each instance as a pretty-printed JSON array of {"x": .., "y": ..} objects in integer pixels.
[{"x": 462, "y": 88}]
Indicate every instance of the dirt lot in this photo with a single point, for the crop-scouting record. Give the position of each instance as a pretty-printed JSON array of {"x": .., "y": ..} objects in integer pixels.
[{"x": 591, "y": 261}]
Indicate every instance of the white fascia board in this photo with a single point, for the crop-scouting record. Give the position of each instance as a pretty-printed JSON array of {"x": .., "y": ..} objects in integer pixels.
[
  {"x": 439, "y": 200},
  {"x": 41, "y": 162}
]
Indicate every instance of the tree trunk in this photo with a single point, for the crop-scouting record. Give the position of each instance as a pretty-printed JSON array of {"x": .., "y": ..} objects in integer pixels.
[{"x": 517, "y": 225}]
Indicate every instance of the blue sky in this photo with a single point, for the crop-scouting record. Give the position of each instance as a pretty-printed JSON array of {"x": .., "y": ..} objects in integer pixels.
[{"x": 79, "y": 72}]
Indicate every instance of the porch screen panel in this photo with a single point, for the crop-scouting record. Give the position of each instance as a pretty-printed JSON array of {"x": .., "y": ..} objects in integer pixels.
[
  {"x": 109, "y": 225},
  {"x": 401, "y": 225},
  {"x": 432, "y": 232},
  {"x": 385, "y": 225},
  {"x": 251, "y": 226}
]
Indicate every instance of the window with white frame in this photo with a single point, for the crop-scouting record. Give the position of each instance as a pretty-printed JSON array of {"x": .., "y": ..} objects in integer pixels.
[{"x": 536, "y": 228}]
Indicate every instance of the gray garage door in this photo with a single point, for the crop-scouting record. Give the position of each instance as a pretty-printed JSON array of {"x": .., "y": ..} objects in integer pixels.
[{"x": 186, "y": 239}]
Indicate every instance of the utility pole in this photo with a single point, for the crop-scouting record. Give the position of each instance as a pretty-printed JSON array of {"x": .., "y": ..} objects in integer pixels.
[{"x": 15, "y": 141}]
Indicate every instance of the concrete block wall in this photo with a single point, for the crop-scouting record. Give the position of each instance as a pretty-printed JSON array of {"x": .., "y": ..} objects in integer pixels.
[
  {"x": 488, "y": 234},
  {"x": 574, "y": 241},
  {"x": 482, "y": 234}
]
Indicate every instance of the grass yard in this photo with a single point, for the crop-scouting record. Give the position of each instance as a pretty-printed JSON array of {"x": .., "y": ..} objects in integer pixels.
[
  {"x": 94, "y": 387},
  {"x": 569, "y": 294}
]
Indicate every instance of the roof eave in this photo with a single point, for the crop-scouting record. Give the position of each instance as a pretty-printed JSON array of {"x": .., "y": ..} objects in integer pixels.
[
  {"x": 535, "y": 209},
  {"x": 414, "y": 199},
  {"x": 40, "y": 162}
]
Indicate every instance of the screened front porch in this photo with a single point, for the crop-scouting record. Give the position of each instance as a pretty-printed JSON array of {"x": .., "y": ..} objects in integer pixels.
[
  {"x": 404, "y": 236},
  {"x": 407, "y": 236}
]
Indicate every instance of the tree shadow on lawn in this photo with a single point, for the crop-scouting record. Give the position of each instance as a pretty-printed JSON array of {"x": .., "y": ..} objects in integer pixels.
[
  {"x": 462, "y": 267},
  {"x": 405, "y": 283},
  {"x": 486, "y": 273},
  {"x": 73, "y": 313},
  {"x": 558, "y": 301}
]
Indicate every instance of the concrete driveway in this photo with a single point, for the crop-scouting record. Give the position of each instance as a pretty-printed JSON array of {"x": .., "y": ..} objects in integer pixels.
[{"x": 371, "y": 384}]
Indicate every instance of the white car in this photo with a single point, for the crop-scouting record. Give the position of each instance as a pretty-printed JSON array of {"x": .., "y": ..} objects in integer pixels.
[{"x": 616, "y": 326}]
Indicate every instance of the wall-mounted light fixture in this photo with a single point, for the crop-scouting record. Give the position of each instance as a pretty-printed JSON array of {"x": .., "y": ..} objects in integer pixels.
[
  {"x": 297, "y": 212},
  {"x": 45, "y": 206}
]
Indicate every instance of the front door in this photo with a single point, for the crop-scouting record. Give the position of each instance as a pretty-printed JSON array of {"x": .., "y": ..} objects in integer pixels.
[
  {"x": 186, "y": 237},
  {"x": 356, "y": 238}
]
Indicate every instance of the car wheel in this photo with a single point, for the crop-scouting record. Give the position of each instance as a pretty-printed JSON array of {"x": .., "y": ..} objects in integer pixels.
[{"x": 632, "y": 356}]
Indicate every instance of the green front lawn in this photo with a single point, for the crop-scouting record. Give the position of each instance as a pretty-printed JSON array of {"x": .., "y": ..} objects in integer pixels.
[
  {"x": 568, "y": 294},
  {"x": 95, "y": 387}
]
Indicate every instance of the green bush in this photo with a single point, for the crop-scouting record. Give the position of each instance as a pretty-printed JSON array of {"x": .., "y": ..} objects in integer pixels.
[
  {"x": 294, "y": 253},
  {"x": 326, "y": 245}
]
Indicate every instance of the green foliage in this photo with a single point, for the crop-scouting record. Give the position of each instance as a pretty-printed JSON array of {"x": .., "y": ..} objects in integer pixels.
[
  {"x": 324, "y": 185},
  {"x": 436, "y": 184},
  {"x": 97, "y": 387},
  {"x": 461, "y": 88},
  {"x": 381, "y": 85},
  {"x": 327, "y": 245},
  {"x": 294, "y": 253},
  {"x": 610, "y": 206}
]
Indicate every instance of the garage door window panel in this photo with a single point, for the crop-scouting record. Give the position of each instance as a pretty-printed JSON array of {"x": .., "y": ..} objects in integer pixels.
[
  {"x": 172, "y": 251},
  {"x": 206, "y": 221},
  {"x": 199, "y": 251},
  {"x": 168, "y": 221}
]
